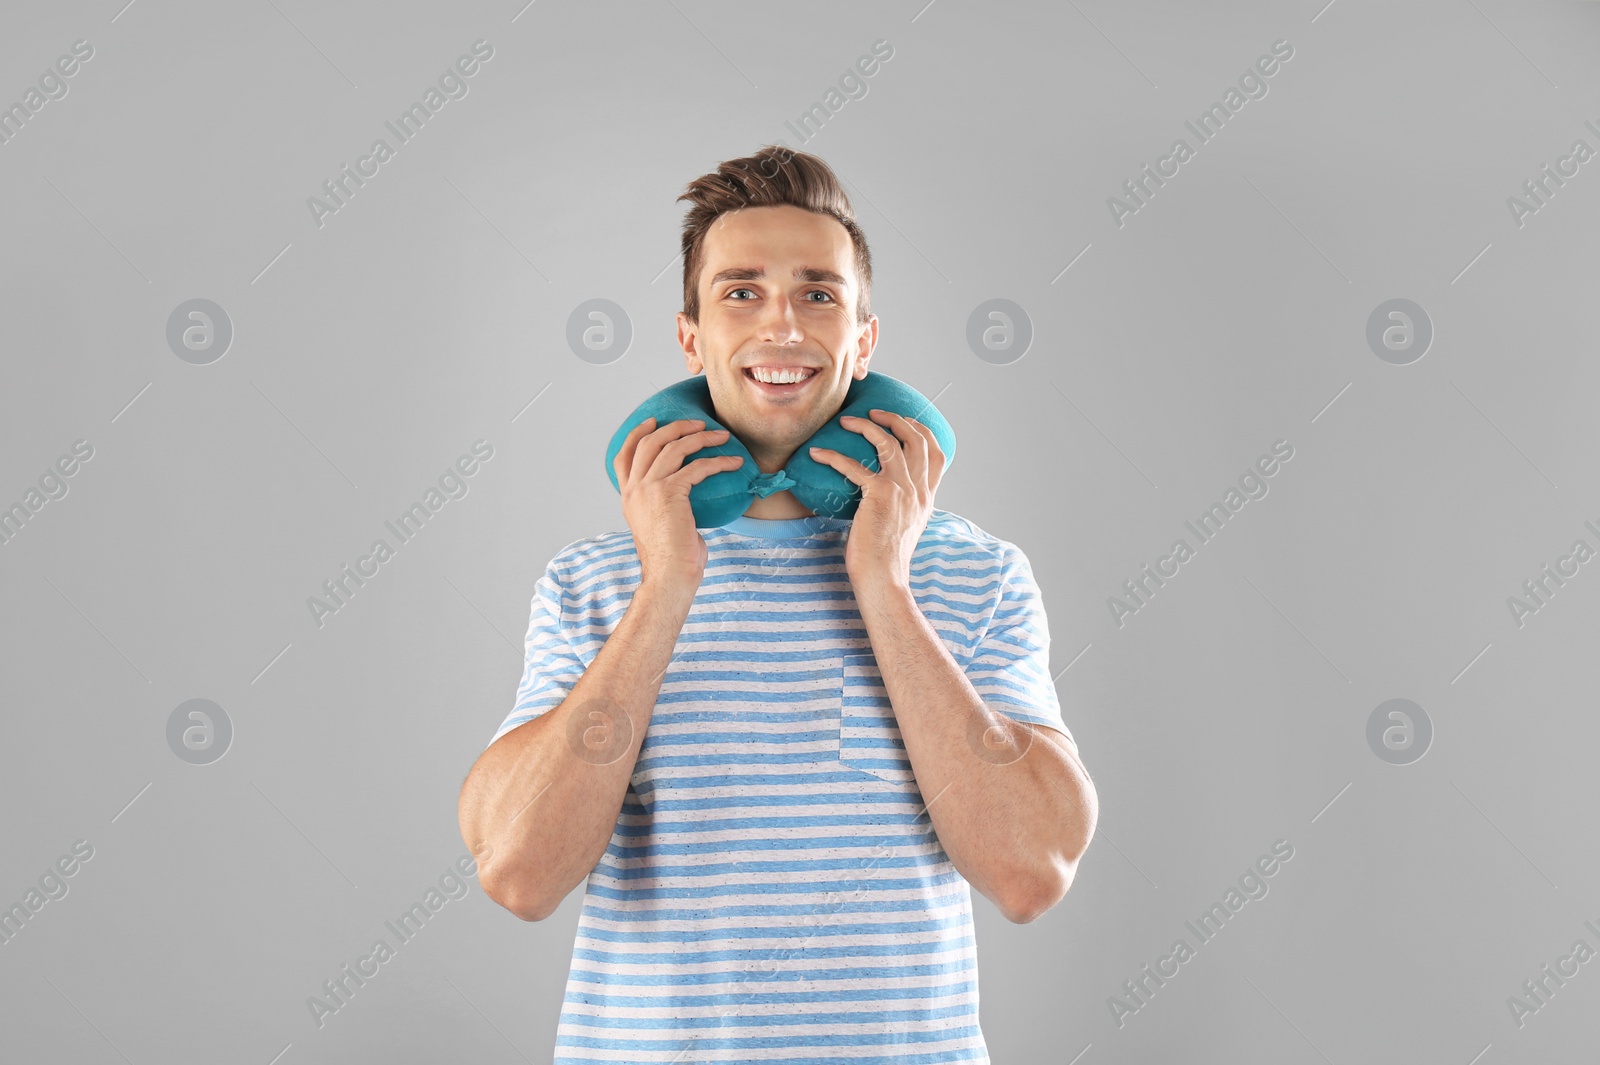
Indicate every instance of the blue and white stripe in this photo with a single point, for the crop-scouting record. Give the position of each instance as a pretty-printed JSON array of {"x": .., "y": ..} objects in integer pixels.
[{"x": 774, "y": 891}]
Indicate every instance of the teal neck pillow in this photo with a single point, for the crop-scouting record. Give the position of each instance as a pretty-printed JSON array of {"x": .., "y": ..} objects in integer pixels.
[{"x": 727, "y": 494}]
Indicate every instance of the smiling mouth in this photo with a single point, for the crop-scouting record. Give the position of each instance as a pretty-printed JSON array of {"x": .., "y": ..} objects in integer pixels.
[{"x": 780, "y": 390}]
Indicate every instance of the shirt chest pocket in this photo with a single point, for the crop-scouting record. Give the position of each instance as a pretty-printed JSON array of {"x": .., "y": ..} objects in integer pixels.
[{"x": 869, "y": 734}]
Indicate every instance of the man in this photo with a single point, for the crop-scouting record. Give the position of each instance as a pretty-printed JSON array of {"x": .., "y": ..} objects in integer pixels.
[{"x": 780, "y": 751}]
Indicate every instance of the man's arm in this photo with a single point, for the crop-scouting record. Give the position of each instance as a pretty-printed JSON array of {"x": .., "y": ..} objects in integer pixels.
[
  {"x": 1014, "y": 824},
  {"x": 545, "y": 797},
  {"x": 1013, "y": 812}
]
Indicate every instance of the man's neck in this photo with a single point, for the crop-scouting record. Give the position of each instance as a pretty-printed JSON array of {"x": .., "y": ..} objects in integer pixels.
[{"x": 779, "y": 505}]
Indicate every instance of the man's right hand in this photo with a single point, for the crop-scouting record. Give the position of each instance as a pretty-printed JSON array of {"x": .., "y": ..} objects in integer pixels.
[{"x": 655, "y": 498}]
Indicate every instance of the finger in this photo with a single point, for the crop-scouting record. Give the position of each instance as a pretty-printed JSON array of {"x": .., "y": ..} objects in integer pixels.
[
  {"x": 855, "y": 472},
  {"x": 676, "y": 452},
  {"x": 875, "y": 434},
  {"x": 933, "y": 442},
  {"x": 651, "y": 444},
  {"x": 624, "y": 460},
  {"x": 914, "y": 440},
  {"x": 700, "y": 469},
  {"x": 888, "y": 448},
  {"x": 937, "y": 459}
]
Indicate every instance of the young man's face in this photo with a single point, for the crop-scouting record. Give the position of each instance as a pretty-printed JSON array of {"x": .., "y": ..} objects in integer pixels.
[{"x": 755, "y": 311}]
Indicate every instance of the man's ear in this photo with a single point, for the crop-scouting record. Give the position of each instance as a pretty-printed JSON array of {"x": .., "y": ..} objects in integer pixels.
[
  {"x": 689, "y": 341},
  {"x": 865, "y": 346}
]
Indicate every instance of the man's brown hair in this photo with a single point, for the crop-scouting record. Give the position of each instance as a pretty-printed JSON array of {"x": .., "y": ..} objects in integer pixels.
[{"x": 773, "y": 176}]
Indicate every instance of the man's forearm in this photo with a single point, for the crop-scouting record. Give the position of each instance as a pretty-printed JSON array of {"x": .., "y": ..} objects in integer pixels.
[
  {"x": 1013, "y": 823},
  {"x": 546, "y": 795}
]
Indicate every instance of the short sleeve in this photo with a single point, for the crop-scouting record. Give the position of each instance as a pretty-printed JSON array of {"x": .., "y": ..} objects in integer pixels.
[
  {"x": 550, "y": 667},
  {"x": 1010, "y": 666}
]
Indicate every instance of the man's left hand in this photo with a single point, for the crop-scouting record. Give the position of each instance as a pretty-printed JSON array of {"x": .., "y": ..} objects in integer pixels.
[{"x": 896, "y": 499}]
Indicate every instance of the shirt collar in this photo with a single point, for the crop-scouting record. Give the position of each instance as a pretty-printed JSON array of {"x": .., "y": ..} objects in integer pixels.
[{"x": 785, "y": 528}]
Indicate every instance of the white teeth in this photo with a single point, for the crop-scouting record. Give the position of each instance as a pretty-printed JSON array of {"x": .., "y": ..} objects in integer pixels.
[{"x": 781, "y": 377}]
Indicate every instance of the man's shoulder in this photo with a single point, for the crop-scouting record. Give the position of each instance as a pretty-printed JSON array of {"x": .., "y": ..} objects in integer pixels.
[
  {"x": 948, "y": 525},
  {"x": 948, "y": 530},
  {"x": 583, "y": 554}
]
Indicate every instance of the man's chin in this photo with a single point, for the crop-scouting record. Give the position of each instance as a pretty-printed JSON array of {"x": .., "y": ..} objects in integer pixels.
[{"x": 765, "y": 449}]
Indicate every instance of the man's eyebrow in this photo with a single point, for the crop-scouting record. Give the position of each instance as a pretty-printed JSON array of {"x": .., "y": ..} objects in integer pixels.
[{"x": 801, "y": 273}]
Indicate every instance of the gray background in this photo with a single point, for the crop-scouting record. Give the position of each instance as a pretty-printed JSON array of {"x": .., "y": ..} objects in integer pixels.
[{"x": 432, "y": 310}]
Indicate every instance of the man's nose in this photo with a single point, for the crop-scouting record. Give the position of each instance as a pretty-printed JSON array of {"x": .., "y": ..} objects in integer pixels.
[{"x": 780, "y": 324}]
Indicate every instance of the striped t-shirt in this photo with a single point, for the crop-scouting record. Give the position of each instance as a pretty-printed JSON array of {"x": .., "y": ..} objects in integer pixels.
[{"x": 773, "y": 890}]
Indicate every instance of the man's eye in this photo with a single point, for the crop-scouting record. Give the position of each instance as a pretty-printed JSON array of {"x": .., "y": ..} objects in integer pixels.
[{"x": 815, "y": 292}]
